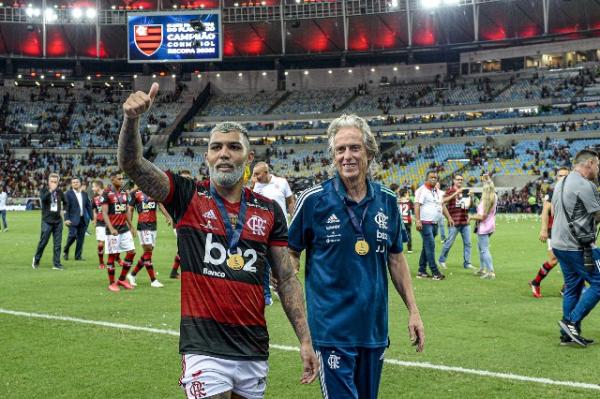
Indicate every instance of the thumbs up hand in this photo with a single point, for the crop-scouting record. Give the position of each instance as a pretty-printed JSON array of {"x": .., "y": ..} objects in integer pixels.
[{"x": 139, "y": 102}]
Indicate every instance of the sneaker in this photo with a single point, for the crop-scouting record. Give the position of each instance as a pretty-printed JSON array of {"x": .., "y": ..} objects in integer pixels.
[
  {"x": 156, "y": 284},
  {"x": 124, "y": 284},
  {"x": 131, "y": 279},
  {"x": 35, "y": 264},
  {"x": 423, "y": 275},
  {"x": 102, "y": 266},
  {"x": 535, "y": 289},
  {"x": 114, "y": 287},
  {"x": 174, "y": 275},
  {"x": 6, "y": 229},
  {"x": 409, "y": 252},
  {"x": 438, "y": 277},
  {"x": 65, "y": 256},
  {"x": 469, "y": 266},
  {"x": 443, "y": 265},
  {"x": 565, "y": 340},
  {"x": 488, "y": 276},
  {"x": 268, "y": 301},
  {"x": 480, "y": 272},
  {"x": 58, "y": 267},
  {"x": 572, "y": 331}
]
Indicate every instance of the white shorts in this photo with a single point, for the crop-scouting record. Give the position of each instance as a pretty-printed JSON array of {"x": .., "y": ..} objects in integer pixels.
[
  {"x": 549, "y": 244},
  {"x": 119, "y": 243},
  {"x": 147, "y": 237},
  {"x": 205, "y": 376},
  {"x": 100, "y": 233}
]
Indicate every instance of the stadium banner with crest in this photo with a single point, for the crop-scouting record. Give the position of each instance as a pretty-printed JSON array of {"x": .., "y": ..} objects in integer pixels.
[{"x": 185, "y": 36}]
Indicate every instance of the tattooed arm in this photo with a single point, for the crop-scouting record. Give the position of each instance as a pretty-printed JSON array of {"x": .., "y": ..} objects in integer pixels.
[
  {"x": 292, "y": 301},
  {"x": 150, "y": 179}
]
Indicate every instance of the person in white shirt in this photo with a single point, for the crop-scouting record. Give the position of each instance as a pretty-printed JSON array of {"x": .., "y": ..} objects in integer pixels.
[
  {"x": 3, "y": 197},
  {"x": 429, "y": 208},
  {"x": 273, "y": 187},
  {"x": 277, "y": 189}
]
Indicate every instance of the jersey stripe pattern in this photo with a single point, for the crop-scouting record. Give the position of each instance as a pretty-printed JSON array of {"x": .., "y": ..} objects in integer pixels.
[
  {"x": 97, "y": 201},
  {"x": 146, "y": 209},
  {"x": 117, "y": 209},
  {"x": 222, "y": 309}
]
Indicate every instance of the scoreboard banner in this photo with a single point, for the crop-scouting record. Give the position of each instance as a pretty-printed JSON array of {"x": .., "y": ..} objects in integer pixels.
[{"x": 188, "y": 36}]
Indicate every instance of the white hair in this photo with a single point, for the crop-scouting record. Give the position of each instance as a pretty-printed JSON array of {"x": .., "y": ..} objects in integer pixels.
[{"x": 355, "y": 121}]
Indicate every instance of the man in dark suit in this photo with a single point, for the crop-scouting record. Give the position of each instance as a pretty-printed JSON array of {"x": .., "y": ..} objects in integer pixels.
[
  {"x": 77, "y": 209},
  {"x": 53, "y": 201}
]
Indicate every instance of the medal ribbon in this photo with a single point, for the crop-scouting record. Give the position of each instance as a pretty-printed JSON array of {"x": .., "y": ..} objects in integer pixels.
[
  {"x": 233, "y": 236},
  {"x": 358, "y": 229}
]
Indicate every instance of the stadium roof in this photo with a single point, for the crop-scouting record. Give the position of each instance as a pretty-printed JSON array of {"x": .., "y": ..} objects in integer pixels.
[{"x": 300, "y": 27}]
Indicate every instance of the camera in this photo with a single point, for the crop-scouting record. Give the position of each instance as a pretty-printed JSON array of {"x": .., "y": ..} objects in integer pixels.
[
  {"x": 586, "y": 239},
  {"x": 588, "y": 259},
  {"x": 465, "y": 192}
]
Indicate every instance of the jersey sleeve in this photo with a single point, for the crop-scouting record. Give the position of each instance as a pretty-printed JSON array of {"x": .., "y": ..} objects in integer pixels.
[
  {"x": 131, "y": 199},
  {"x": 181, "y": 191},
  {"x": 279, "y": 233},
  {"x": 104, "y": 199},
  {"x": 419, "y": 196},
  {"x": 397, "y": 227},
  {"x": 287, "y": 191},
  {"x": 300, "y": 232}
]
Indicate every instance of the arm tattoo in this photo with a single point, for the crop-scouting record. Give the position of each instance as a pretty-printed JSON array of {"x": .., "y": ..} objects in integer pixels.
[
  {"x": 150, "y": 179},
  {"x": 290, "y": 292}
]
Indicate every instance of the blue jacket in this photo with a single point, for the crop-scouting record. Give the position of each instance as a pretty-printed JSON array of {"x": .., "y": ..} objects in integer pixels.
[{"x": 72, "y": 211}]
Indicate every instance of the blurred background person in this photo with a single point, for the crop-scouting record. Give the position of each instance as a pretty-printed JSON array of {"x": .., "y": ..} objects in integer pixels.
[
  {"x": 485, "y": 226},
  {"x": 77, "y": 207},
  {"x": 53, "y": 203}
]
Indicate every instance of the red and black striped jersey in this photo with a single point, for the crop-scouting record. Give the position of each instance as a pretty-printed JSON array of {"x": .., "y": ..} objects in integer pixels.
[
  {"x": 548, "y": 197},
  {"x": 222, "y": 309},
  {"x": 117, "y": 208},
  {"x": 406, "y": 209},
  {"x": 146, "y": 209},
  {"x": 97, "y": 202}
]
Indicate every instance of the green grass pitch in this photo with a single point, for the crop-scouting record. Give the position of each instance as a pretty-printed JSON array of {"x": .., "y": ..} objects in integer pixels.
[{"x": 485, "y": 325}]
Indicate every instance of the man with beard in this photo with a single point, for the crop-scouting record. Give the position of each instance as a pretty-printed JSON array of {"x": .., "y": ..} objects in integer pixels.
[
  {"x": 225, "y": 234},
  {"x": 351, "y": 229}
]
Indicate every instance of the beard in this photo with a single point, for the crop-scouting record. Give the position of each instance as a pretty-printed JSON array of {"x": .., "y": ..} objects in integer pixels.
[{"x": 227, "y": 179}]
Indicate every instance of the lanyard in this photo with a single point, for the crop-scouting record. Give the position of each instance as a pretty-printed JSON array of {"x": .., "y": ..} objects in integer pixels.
[
  {"x": 233, "y": 236},
  {"x": 358, "y": 225}
]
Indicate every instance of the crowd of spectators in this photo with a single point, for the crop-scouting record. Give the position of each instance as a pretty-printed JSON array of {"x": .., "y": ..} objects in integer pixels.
[{"x": 23, "y": 178}]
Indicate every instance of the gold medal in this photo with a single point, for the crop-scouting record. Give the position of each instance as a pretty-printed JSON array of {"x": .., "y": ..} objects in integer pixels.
[
  {"x": 235, "y": 262},
  {"x": 361, "y": 247}
]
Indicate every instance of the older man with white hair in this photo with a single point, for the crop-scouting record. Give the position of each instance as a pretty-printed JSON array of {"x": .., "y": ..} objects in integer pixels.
[{"x": 351, "y": 229}]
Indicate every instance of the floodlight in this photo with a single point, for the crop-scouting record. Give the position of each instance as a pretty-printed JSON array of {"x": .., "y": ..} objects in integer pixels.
[
  {"x": 91, "y": 13},
  {"x": 50, "y": 15},
  {"x": 431, "y": 3}
]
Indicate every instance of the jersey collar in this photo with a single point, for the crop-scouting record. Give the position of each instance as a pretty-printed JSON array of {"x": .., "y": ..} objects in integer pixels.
[{"x": 342, "y": 189}]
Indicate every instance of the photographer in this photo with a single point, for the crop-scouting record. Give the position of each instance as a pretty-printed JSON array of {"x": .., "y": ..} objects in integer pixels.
[
  {"x": 576, "y": 206},
  {"x": 458, "y": 201}
]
